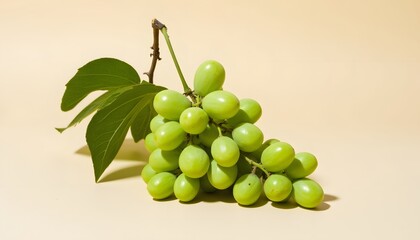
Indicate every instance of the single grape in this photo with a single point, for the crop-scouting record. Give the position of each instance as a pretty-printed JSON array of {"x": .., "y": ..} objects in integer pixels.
[
  {"x": 147, "y": 173},
  {"x": 205, "y": 185},
  {"x": 156, "y": 122},
  {"x": 277, "y": 187},
  {"x": 209, "y": 135},
  {"x": 249, "y": 112},
  {"x": 220, "y": 105},
  {"x": 303, "y": 165},
  {"x": 209, "y": 77},
  {"x": 170, "y": 104},
  {"x": 256, "y": 155},
  {"x": 149, "y": 142},
  {"x": 186, "y": 188},
  {"x": 169, "y": 136},
  {"x": 307, "y": 193},
  {"x": 164, "y": 161},
  {"x": 247, "y": 189},
  {"x": 194, "y": 161},
  {"x": 221, "y": 177},
  {"x": 194, "y": 120},
  {"x": 225, "y": 151},
  {"x": 277, "y": 156},
  {"x": 161, "y": 185},
  {"x": 248, "y": 137}
]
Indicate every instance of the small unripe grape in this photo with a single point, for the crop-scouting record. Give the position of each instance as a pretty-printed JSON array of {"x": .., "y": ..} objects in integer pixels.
[
  {"x": 225, "y": 151},
  {"x": 220, "y": 105},
  {"x": 169, "y": 136},
  {"x": 303, "y": 165},
  {"x": 170, "y": 104},
  {"x": 156, "y": 122},
  {"x": 209, "y": 134},
  {"x": 194, "y": 120},
  {"x": 249, "y": 112},
  {"x": 209, "y": 77},
  {"x": 147, "y": 173},
  {"x": 277, "y": 156},
  {"x": 149, "y": 142},
  {"x": 161, "y": 185},
  {"x": 194, "y": 161},
  {"x": 164, "y": 161},
  {"x": 186, "y": 188},
  {"x": 277, "y": 187},
  {"x": 248, "y": 137},
  {"x": 221, "y": 177},
  {"x": 307, "y": 193},
  {"x": 247, "y": 189}
]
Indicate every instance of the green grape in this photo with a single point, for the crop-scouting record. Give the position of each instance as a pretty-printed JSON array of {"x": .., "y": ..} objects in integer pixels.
[
  {"x": 248, "y": 137},
  {"x": 194, "y": 120},
  {"x": 149, "y": 142},
  {"x": 221, "y": 177},
  {"x": 169, "y": 136},
  {"x": 209, "y": 135},
  {"x": 209, "y": 77},
  {"x": 170, "y": 104},
  {"x": 205, "y": 185},
  {"x": 287, "y": 198},
  {"x": 247, "y": 189},
  {"x": 186, "y": 188},
  {"x": 244, "y": 167},
  {"x": 303, "y": 165},
  {"x": 161, "y": 185},
  {"x": 147, "y": 173},
  {"x": 164, "y": 161},
  {"x": 220, "y": 105},
  {"x": 277, "y": 187},
  {"x": 249, "y": 112},
  {"x": 156, "y": 122},
  {"x": 225, "y": 151},
  {"x": 194, "y": 161},
  {"x": 277, "y": 156},
  {"x": 256, "y": 155},
  {"x": 307, "y": 193}
]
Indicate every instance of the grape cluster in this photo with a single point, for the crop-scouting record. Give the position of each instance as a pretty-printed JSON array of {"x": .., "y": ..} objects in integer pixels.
[{"x": 206, "y": 140}]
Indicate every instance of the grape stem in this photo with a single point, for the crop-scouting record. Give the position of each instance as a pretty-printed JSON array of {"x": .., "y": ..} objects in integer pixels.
[
  {"x": 156, "y": 25},
  {"x": 187, "y": 89},
  {"x": 257, "y": 165}
]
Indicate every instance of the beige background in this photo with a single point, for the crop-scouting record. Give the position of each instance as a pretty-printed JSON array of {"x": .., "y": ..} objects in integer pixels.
[{"x": 340, "y": 79}]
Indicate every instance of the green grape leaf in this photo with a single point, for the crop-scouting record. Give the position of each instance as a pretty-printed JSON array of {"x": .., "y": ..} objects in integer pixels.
[
  {"x": 140, "y": 127},
  {"x": 99, "y": 74},
  {"x": 109, "y": 126},
  {"x": 99, "y": 103}
]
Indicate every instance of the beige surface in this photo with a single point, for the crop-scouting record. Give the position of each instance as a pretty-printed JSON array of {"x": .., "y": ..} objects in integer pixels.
[{"x": 338, "y": 78}]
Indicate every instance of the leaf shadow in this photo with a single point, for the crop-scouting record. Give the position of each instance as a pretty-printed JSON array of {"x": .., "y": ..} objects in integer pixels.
[
  {"x": 129, "y": 151},
  {"x": 123, "y": 173}
]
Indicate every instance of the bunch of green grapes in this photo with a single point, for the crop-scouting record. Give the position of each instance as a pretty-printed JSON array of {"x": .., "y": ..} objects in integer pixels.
[{"x": 207, "y": 140}]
